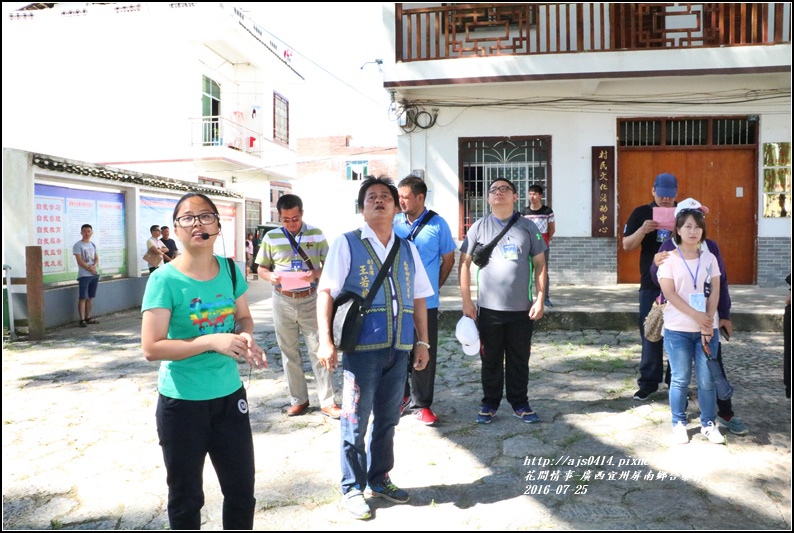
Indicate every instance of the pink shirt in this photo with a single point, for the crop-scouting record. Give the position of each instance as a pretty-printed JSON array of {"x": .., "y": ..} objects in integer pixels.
[{"x": 675, "y": 268}]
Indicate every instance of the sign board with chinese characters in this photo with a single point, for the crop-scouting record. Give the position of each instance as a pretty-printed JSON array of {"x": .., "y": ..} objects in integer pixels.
[{"x": 603, "y": 179}]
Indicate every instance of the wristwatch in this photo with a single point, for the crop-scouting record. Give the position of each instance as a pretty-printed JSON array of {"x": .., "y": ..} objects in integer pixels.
[{"x": 423, "y": 343}]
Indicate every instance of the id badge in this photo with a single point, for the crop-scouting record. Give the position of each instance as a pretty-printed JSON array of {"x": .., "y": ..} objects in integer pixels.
[
  {"x": 662, "y": 235},
  {"x": 698, "y": 302},
  {"x": 297, "y": 264},
  {"x": 510, "y": 252}
]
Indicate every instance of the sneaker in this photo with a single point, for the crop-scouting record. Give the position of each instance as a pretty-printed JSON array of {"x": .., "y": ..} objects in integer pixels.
[
  {"x": 712, "y": 432},
  {"x": 485, "y": 415},
  {"x": 680, "y": 436},
  {"x": 642, "y": 395},
  {"x": 426, "y": 416},
  {"x": 734, "y": 425},
  {"x": 405, "y": 404},
  {"x": 547, "y": 303},
  {"x": 83, "y": 324},
  {"x": 356, "y": 505},
  {"x": 388, "y": 491},
  {"x": 527, "y": 415}
]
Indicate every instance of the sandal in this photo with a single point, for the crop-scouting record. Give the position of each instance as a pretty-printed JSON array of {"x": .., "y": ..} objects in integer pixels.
[
  {"x": 92, "y": 320},
  {"x": 83, "y": 324}
]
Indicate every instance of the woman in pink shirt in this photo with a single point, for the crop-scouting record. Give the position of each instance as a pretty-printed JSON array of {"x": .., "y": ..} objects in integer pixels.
[{"x": 690, "y": 280}]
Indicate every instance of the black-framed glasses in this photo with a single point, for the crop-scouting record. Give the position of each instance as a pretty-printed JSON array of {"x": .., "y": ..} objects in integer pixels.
[
  {"x": 501, "y": 188},
  {"x": 188, "y": 221}
]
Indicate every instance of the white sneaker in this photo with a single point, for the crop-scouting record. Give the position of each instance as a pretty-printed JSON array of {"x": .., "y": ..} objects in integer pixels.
[
  {"x": 680, "y": 436},
  {"x": 712, "y": 432}
]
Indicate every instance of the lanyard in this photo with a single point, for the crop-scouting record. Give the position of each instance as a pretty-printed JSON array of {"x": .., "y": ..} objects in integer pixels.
[
  {"x": 697, "y": 270},
  {"x": 415, "y": 226},
  {"x": 294, "y": 247}
]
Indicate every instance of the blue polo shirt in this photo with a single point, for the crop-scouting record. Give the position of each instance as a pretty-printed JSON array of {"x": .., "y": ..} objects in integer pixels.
[{"x": 433, "y": 241}]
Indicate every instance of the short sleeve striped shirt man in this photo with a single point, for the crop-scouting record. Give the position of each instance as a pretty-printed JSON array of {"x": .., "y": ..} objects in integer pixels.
[{"x": 277, "y": 253}]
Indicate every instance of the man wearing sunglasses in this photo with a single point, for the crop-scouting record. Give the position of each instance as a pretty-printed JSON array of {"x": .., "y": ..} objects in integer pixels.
[{"x": 505, "y": 311}]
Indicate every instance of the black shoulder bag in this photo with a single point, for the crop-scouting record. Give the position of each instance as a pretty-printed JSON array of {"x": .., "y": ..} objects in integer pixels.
[
  {"x": 481, "y": 254},
  {"x": 349, "y": 308}
]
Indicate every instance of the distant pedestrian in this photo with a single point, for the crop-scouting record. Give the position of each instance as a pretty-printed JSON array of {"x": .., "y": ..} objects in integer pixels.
[
  {"x": 197, "y": 323},
  {"x": 173, "y": 251},
  {"x": 155, "y": 249},
  {"x": 543, "y": 217},
  {"x": 249, "y": 254},
  {"x": 87, "y": 257}
]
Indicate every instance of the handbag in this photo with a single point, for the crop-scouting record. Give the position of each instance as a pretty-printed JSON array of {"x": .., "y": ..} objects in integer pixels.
[
  {"x": 349, "y": 308},
  {"x": 654, "y": 322},
  {"x": 481, "y": 253}
]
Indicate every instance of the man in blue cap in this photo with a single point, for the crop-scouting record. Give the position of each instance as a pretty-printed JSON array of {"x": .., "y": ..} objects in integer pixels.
[{"x": 641, "y": 231}]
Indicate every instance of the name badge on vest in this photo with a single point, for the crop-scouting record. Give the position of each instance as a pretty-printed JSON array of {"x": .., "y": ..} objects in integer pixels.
[
  {"x": 510, "y": 252},
  {"x": 698, "y": 301},
  {"x": 662, "y": 235},
  {"x": 297, "y": 264}
]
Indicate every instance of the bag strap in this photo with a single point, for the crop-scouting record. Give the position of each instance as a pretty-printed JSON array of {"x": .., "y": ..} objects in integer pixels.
[
  {"x": 430, "y": 214},
  {"x": 297, "y": 246},
  {"x": 491, "y": 245},
  {"x": 384, "y": 269},
  {"x": 233, "y": 274}
]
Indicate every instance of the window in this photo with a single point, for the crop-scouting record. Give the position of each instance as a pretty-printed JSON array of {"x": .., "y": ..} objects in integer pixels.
[
  {"x": 777, "y": 180},
  {"x": 210, "y": 112},
  {"x": 212, "y": 182},
  {"x": 356, "y": 170},
  {"x": 253, "y": 214},
  {"x": 524, "y": 161},
  {"x": 280, "y": 119}
]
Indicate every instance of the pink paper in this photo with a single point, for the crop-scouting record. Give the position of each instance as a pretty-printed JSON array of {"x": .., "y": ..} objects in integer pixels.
[
  {"x": 665, "y": 217},
  {"x": 291, "y": 280}
]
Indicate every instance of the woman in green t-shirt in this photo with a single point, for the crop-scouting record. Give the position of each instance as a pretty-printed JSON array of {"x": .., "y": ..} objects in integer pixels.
[{"x": 197, "y": 323}]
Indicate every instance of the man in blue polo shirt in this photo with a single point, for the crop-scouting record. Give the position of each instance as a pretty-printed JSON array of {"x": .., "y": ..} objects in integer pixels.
[{"x": 432, "y": 237}]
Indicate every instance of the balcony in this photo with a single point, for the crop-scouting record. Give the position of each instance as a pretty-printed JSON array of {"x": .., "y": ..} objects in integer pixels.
[
  {"x": 220, "y": 131},
  {"x": 525, "y": 29}
]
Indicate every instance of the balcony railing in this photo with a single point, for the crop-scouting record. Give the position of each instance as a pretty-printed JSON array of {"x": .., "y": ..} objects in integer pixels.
[
  {"x": 528, "y": 28},
  {"x": 219, "y": 131}
]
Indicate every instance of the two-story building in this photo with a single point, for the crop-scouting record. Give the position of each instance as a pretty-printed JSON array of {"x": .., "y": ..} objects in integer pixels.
[
  {"x": 112, "y": 111},
  {"x": 591, "y": 101}
]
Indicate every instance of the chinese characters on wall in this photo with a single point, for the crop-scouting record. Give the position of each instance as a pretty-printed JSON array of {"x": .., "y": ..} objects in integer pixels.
[{"x": 603, "y": 193}]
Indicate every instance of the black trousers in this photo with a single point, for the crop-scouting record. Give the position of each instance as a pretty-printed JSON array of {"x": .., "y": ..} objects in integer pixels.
[
  {"x": 420, "y": 383},
  {"x": 188, "y": 431},
  {"x": 506, "y": 338}
]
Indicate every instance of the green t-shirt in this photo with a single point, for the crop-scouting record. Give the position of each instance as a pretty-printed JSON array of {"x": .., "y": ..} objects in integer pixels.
[{"x": 197, "y": 308}]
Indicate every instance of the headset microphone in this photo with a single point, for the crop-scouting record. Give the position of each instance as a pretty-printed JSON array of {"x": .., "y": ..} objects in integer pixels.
[{"x": 206, "y": 236}]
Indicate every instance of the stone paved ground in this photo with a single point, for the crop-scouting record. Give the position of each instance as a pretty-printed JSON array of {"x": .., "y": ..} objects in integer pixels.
[{"x": 80, "y": 448}]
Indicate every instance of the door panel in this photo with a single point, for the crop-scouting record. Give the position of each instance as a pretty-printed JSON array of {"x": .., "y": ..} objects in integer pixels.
[{"x": 710, "y": 176}]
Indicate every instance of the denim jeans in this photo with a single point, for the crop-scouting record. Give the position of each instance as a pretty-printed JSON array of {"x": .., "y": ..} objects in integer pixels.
[
  {"x": 683, "y": 348},
  {"x": 652, "y": 358},
  {"x": 374, "y": 382}
]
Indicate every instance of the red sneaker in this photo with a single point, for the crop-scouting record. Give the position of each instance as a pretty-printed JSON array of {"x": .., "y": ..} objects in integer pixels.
[
  {"x": 405, "y": 404},
  {"x": 425, "y": 416}
]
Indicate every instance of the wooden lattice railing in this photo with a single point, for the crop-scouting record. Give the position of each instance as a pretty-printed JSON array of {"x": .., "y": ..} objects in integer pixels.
[{"x": 470, "y": 30}]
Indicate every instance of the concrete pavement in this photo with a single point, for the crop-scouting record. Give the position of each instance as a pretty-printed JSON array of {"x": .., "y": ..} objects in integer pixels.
[{"x": 80, "y": 448}]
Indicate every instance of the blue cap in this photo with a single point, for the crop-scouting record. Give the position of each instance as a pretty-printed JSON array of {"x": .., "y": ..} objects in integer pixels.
[{"x": 666, "y": 185}]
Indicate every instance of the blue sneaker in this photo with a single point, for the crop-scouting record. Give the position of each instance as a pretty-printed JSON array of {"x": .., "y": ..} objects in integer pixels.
[
  {"x": 734, "y": 425},
  {"x": 485, "y": 415},
  {"x": 388, "y": 491},
  {"x": 527, "y": 415}
]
